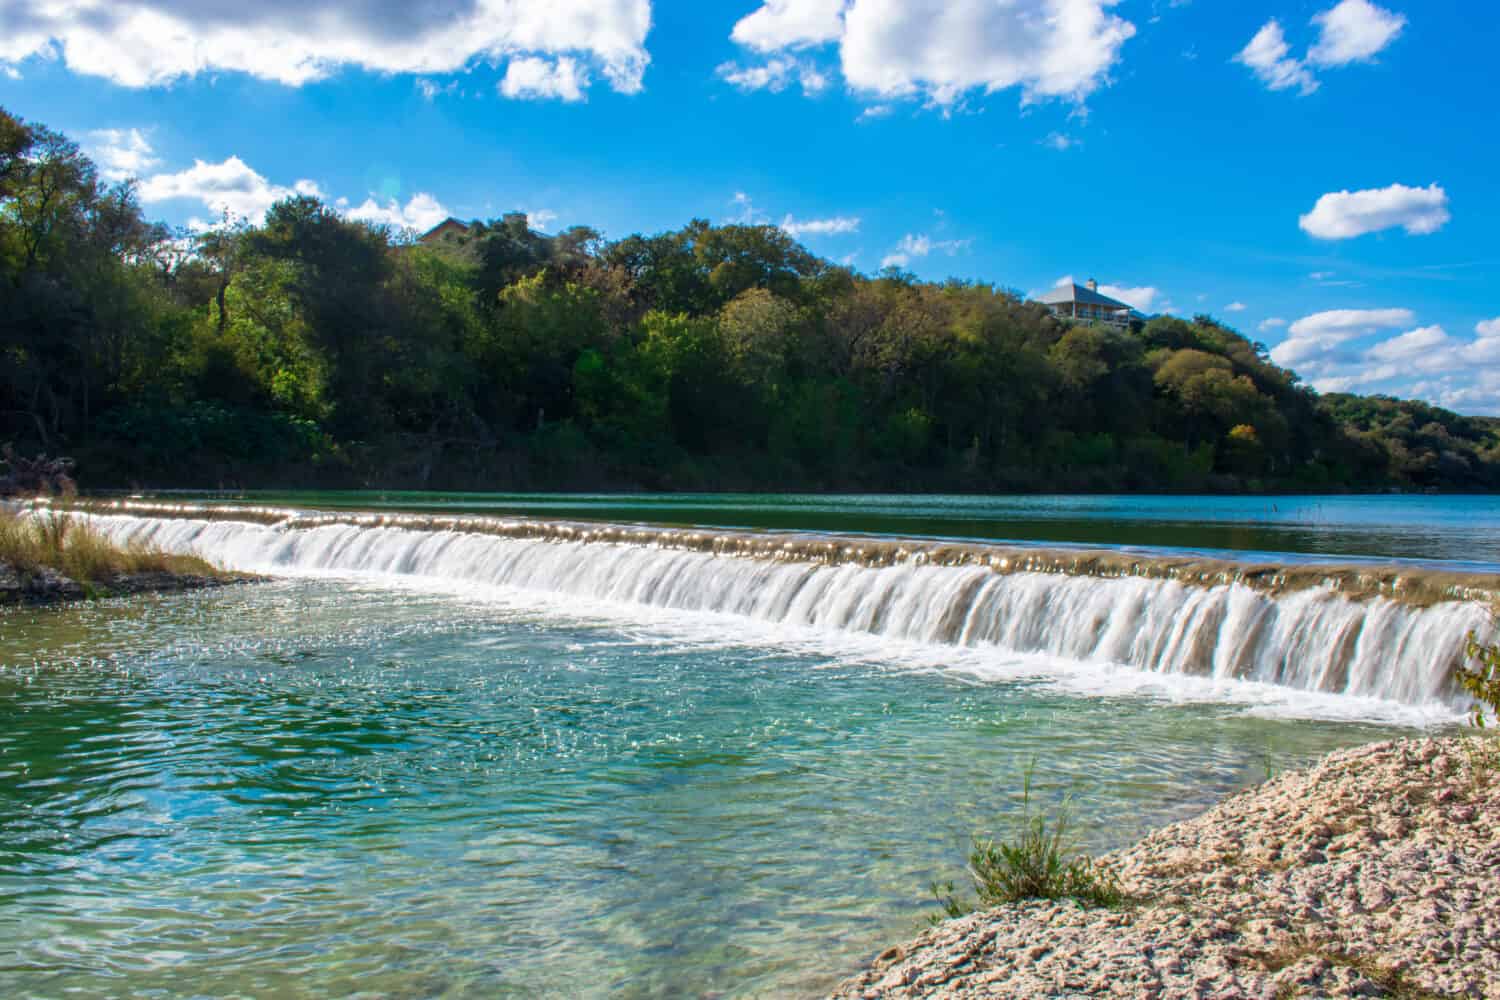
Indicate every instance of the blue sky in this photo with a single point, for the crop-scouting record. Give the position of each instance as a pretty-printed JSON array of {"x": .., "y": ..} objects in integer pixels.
[{"x": 1317, "y": 174}]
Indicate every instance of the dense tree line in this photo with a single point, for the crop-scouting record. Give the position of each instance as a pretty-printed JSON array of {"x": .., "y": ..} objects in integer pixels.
[{"x": 313, "y": 350}]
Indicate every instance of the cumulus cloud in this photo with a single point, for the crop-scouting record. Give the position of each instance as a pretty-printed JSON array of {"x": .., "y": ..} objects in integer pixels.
[
  {"x": 120, "y": 153},
  {"x": 1268, "y": 56},
  {"x": 234, "y": 190},
  {"x": 788, "y": 24},
  {"x": 230, "y": 188},
  {"x": 833, "y": 226},
  {"x": 1271, "y": 323},
  {"x": 1236, "y": 307},
  {"x": 532, "y": 77},
  {"x": 1488, "y": 327},
  {"x": 139, "y": 43},
  {"x": 941, "y": 51},
  {"x": 421, "y": 212},
  {"x": 1343, "y": 215},
  {"x": 1060, "y": 142},
  {"x": 1349, "y": 32},
  {"x": 913, "y": 246},
  {"x": 1338, "y": 325},
  {"x": 1141, "y": 297},
  {"x": 1426, "y": 362},
  {"x": 775, "y": 75},
  {"x": 1353, "y": 31}
]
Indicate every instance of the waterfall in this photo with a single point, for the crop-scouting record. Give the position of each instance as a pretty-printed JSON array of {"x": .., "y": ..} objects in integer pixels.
[{"x": 1313, "y": 638}]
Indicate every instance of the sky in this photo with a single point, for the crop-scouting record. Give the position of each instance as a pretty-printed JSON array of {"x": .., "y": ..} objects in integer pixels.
[{"x": 1317, "y": 174}]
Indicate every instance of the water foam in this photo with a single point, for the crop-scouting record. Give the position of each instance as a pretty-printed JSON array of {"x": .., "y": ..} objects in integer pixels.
[{"x": 1317, "y": 639}]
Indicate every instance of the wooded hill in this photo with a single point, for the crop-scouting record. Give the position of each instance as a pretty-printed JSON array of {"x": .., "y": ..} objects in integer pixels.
[{"x": 312, "y": 350}]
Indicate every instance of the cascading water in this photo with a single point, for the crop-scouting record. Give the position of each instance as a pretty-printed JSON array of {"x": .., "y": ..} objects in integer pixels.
[{"x": 1315, "y": 638}]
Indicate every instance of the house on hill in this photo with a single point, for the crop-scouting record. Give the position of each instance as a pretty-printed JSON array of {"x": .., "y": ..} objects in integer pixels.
[
  {"x": 449, "y": 233},
  {"x": 1085, "y": 304}
]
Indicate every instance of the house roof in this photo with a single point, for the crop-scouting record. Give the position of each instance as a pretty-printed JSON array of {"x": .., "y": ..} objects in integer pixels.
[
  {"x": 446, "y": 224},
  {"x": 1064, "y": 294}
]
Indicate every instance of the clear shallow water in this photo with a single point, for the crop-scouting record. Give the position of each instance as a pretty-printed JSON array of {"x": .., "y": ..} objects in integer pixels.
[
  {"x": 328, "y": 787},
  {"x": 1463, "y": 531}
]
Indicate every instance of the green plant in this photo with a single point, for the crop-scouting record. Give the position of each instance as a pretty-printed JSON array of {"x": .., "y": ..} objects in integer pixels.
[
  {"x": 1041, "y": 862},
  {"x": 57, "y": 541},
  {"x": 1483, "y": 680}
]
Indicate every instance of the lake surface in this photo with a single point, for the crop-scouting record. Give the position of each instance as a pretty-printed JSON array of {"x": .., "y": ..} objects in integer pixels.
[
  {"x": 346, "y": 783},
  {"x": 1462, "y": 530}
]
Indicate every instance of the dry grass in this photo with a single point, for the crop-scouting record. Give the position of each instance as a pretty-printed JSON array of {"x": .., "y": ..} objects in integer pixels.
[{"x": 57, "y": 542}]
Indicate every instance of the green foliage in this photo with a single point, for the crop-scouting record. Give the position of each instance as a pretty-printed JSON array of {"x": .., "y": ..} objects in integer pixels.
[
  {"x": 1483, "y": 679},
  {"x": 1040, "y": 862},
  {"x": 309, "y": 346}
]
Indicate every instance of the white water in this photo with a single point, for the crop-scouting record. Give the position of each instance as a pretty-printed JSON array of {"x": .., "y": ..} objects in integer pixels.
[{"x": 1313, "y": 640}]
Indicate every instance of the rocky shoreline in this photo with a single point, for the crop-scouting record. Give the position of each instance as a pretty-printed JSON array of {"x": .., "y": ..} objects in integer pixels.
[
  {"x": 1374, "y": 873},
  {"x": 47, "y": 586}
]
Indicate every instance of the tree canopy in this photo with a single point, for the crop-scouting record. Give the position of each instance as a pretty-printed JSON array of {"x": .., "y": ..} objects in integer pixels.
[{"x": 310, "y": 349}]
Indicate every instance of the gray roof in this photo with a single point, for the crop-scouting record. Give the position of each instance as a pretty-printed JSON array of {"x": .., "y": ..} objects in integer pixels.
[{"x": 1064, "y": 294}]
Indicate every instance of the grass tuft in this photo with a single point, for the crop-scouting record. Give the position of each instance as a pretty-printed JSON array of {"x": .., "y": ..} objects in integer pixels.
[
  {"x": 53, "y": 541},
  {"x": 1041, "y": 862}
]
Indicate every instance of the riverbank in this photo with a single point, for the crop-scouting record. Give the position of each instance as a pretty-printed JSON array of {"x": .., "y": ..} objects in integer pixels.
[
  {"x": 52, "y": 559},
  {"x": 1370, "y": 874}
]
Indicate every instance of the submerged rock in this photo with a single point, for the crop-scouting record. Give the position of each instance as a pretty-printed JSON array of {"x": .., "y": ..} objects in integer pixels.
[{"x": 1374, "y": 873}]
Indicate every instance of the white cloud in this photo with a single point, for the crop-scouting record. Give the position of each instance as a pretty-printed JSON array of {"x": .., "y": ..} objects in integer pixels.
[
  {"x": 941, "y": 51},
  {"x": 1267, "y": 55},
  {"x": 541, "y": 220},
  {"x": 430, "y": 89},
  {"x": 1337, "y": 325},
  {"x": 834, "y": 226},
  {"x": 875, "y": 111},
  {"x": 1141, "y": 297},
  {"x": 421, "y": 212},
  {"x": 1321, "y": 275},
  {"x": 1343, "y": 215},
  {"x": 1354, "y": 31},
  {"x": 1411, "y": 346},
  {"x": 786, "y": 24},
  {"x": 120, "y": 153},
  {"x": 139, "y": 43},
  {"x": 1488, "y": 327},
  {"x": 229, "y": 188},
  {"x": 1236, "y": 307},
  {"x": 915, "y": 246},
  {"x": 1426, "y": 363},
  {"x": 1315, "y": 343},
  {"x": 232, "y": 188},
  {"x": 775, "y": 75},
  {"x": 1271, "y": 323},
  {"x": 1060, "y": 142},
  {"x": 746, "y": 212},
  {"x": 535, "y": 78}
]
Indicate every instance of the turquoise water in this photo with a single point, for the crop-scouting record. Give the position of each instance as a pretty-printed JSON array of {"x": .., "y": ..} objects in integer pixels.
[
  {"x": 331, "y": 787},
  {"x": 1462, "y": 530},
  {"x": 374, "y": 785}
]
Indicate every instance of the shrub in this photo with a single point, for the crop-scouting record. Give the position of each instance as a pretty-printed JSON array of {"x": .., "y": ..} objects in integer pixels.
[
  {"x": 1483, "y": 680},
  {"x": 58, "y": 542},
  {"x": 1040, "y": 863}
]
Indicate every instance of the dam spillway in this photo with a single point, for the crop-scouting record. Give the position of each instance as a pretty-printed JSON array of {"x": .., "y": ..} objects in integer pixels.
[{"x": 1390, "y": 633}]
